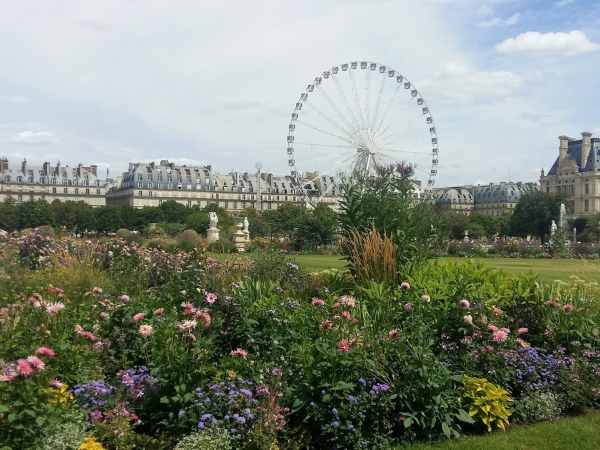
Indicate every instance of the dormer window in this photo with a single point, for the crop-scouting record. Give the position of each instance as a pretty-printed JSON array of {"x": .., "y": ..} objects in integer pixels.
[{"x": 140, "y": 176}]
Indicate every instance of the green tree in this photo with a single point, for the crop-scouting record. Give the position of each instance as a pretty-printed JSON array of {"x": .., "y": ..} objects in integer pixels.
[
  {"x": 319, "y": 227},
  {"x": 85, "y": 218},
  {"x": 198, "y": 221},
  {"x": 174, "y": 212},
  {"x": 150, "y": 214},
  {"x": 128, "y": 216},
  {"x": 35, "y": 213},
  {"x": 534, "y": 214},
  {"x": 9, "y": 214},
  {"x": 108, "y": 219}
]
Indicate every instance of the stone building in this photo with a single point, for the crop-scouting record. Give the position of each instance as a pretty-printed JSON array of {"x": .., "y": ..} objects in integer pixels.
[
  {"x": 46, "y": 182},
  {"x": 498, "y": 199},
  {"x": 576, "y": 171},
  {"x": 455, "y": 199},
  {"x": 151, "y": 184}
]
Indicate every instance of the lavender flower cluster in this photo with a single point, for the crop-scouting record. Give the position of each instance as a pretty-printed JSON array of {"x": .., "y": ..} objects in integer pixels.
[{"x": 534, "y": 369}]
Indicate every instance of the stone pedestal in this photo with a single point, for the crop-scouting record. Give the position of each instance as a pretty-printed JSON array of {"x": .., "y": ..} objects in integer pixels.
[
  {"x": 212, "y": 235},
  {"x": 239, "y": 238},
  {"x": 247, "y": 236}
]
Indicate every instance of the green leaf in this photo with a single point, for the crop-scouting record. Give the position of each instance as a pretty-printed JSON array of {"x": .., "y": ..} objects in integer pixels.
[
  {"x": 12, "y": 417},
  {"x": 3, "y": 408},
  {"x": 463, "y": 416},
  {"x": 164, "y": 400},
  {"x": 40, "y": 421},
  {"x": 408, "y": 422}
]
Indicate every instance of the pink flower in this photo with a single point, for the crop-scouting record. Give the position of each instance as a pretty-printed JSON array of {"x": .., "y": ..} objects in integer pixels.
[
  {"x": 348, "y": 301},
  {"x": 506, "y": 330},
  {"x": 24, "y": 368},
  {"x": 210, "y": 298},
  {"x": 138, "y": 317},
  {"x": 187, "y": 325},
  {"x": 522, "y": 330},
  {"x": 405, "y": 286},
  {"x": 499, "y": 336},
  {"x": 204, "y": 316},
  {"x": 497, "y": 311},
  {"x": 240, "y": 353},
  {"x": 394, "y": 335},
  {"x": 547, "y": 331},
  {"x": 36, "y": 362},
  {"x": 343, "y": 346},
  {"x": 317, "y": 302},
  {"x": 492, "y": 328},
  {"x": 355, "y": 320},
  {"x": 464, "y": 303},
  {"x": 336, "y": 304},
  {"x": 187, "y": 306},
  {"x": 425, "y": 298},
  {"x": 88, "y": 293},
  {"x": 57, "y": 384},
  {"x": 124, "y": 298},
  {"x": 408, "y": 307},
  {"x": 50, "y": 290},
  {"x": 346, "y": 314},
  {"x": 567, "y": 308},
  {"x": 468, "y": 320},
  {"x": 97, "y": 290},
  {"x": 53, "y": 308},
  {"x": 522, "y": 343},
  {"x": 45, "y": 351},
  {"x": 145, "y": 330},
  {"x": 325, "y": 325},
  {"x": 159, "y": 311}
]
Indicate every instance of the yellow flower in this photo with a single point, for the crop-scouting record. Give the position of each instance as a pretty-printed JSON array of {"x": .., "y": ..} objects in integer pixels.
[{"x": 91, "y": 443}]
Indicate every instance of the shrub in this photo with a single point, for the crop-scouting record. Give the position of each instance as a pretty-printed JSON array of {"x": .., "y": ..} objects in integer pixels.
[
  {"x": 211, "y": 438},
  {"x": 46, "y": 230},
  {"x": 540, "y": 406},
  {"x": 221, "y": 247},
  {"x": 64, "y": 436},
  {"x": 485, "y": 402},
  {"x": 123, "y": 233}
]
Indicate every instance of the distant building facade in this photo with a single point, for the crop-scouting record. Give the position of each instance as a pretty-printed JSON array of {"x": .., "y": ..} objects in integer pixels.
[
  {"x": 490, "y": 199},
  {"x": 25, "y": 182},
  {"x": 576, "y": 171},
  {"x": 151, "y": 184}
]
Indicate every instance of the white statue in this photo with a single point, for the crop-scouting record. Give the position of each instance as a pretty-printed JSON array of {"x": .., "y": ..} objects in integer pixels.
[
  {"x": 553, "y": 228},
  {"x": 562, "y": 220},
  {"x": 214, "y": 219},
  {"x": 246, "y": 224}
]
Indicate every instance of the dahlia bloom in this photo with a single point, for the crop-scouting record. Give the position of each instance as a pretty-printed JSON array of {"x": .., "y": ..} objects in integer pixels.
[
  {"x": 24, "y": 368},
  {"x": 499, "y": 336},
  {"x": 408, "y": 307},
  {"x": 124, "y": 298},
  {"x": 394, "y": 335},
  {"x": 346, "y": 314},
  {"x": 317, "y": 302},
  {"x": 138, "y": 317},
  {"x": 36, "y": 362},
  {"x": 506, "y": 330},
  {"x": 343, "y": 346},
  {"x": 210, "y": 298},
  {"x": 204, "y": 316},
  {"x": 567, "y": 308},
  {"x": 53, "y": 308},
  {"x": 497, "y": 311},
  {"x": 240, "y": 353},
  {"x": 57, "y": 384},
  {"x": 187, "y": 305},
  {"x": 464, "y": 303},
  {"x": 405, "y": 286},
  {"x": 547, "y": 331},
  {"x": 348, "y": 301},
  {"x": 425, "y": 298},
  {"x": 145, "y": 330},
  {"x": 468, "y": 320},
  {"x": 492, "y": 328},
  {"x": 159, "y": 311},
  {"x": 45, "y": 351},
  {"x": 325, "y": 325},
  {"x": 522, "y": 330}
]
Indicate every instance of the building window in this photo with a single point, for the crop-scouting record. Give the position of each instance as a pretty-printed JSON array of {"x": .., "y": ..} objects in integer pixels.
[
  {"x": 140, "y": 184},
  {"x": 217, "y": 196},
  {"x": 160, "y": 185},
  {"x": 140, "y": 176},
  {"x": 170, "y": 186},
  {"x": 97, "y": 191},
  {"x": 87, "y": 192},
  {"x": 20, "y": 199},
  {"x": 269, "y": 206},
  {"x": 140, "y": 193},
  {"x": 150, "y": 186},
  {"x": 226, "y": 205},
  {"x": 587, "y": 188},
  {"x": 54, "y": 190},
  {"x": 586, "y": 205},
  {"x": 149, "y": 193},
  {"x": 44, "y": 197},
  {"x": 160, "y": 202},
  {"x": 149, "y": 177},
  {"x": 65, "y": 190},
  {"x": 76, "y": 191},
  {"x": 234, "y": 205},
  {"x": 189, "y": 203}
]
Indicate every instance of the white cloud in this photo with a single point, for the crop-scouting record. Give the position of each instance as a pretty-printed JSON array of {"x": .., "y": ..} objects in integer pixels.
[
  {"x": 31, "y": 138},
  {"x": 496, "y": 21},
  {"x": 564, "y": 2},
  {"x": 14, "y": 99},
  {"x": 457, "y": 83},
  {"x": 570, "y": 43},
  {"x": 485, "y": 10}
]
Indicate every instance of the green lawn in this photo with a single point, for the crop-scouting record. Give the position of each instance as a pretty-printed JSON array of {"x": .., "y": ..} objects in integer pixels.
[
  {"x": 572, "y": 434},
  {"x": 548, "y": 269}
]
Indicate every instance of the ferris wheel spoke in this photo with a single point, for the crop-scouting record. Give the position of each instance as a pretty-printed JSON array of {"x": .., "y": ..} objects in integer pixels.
[
  {"x": 356, "y": 99},
  {"x": 346, "y": 163},
  {"x": 379, "y": 95},
  {"x": 318, "y": 111},
  {"x": 368, "y": 102},
  {"x": 319, "y": 159},
  {"x": 389, "y": 106},
  {"x": 335, "y": 108},
  {"x": 408, "y": 123},
  {"x": 349, "y": 141},
  {"x": 312, "y": 144},
  {"x": 403, "y": 151},
  {"x": 345, "y": 101}
]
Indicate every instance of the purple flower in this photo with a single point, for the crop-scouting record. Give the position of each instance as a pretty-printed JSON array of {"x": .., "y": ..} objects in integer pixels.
[
  {"x": 350, "y": 426},
  {"x": 334, "y": 411},
  {"x": 312, "y": 403},
  {"x": 464, "y": 303},
  {"x": 405, "y": 286},
  {"x": 181, "y": 413},
  {"x": 335, "y": 424},
  {"x": 201, "y": 425}
]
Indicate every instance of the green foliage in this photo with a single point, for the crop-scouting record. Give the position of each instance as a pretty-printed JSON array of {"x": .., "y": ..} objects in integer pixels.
[
  {"x": 9, "y": 214},
  {"x": 171, "y": 228},
  {"x": 534, "y": 214},
  {"x": 485, "y": 402},
  {"x": 198, "y": 221},
  {"x": 65, "y": 436},
  {"x": 540, "y": 405},
  {"x": 211, "y": 438}
]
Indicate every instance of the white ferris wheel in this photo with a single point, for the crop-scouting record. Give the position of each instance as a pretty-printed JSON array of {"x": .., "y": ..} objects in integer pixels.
[{"x": 356, "y": 116}]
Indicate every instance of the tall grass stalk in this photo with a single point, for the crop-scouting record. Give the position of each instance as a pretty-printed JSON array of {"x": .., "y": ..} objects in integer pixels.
[{"x": 371, "y": 256}]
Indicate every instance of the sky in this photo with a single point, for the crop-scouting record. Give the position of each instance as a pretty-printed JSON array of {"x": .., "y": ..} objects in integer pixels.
[{"x": 215, "y": 82}]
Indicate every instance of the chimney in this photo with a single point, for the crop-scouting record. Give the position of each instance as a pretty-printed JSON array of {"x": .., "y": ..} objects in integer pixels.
[
  {"x": 3, "y": 165},
  {"x": 94, "y": 170},
  {"x": 46, "y": 168},
  {"x": 24, "y": 167},
  {"x": 586, "y": 146},
  {"x": 564, "y": 146}
]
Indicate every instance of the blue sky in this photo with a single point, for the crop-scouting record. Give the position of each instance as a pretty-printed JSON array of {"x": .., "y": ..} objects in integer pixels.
[{"x": 215, "y": 82}]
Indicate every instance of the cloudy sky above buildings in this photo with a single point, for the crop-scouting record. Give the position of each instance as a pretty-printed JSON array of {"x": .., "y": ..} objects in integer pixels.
[{"x": 110, "y": 83}]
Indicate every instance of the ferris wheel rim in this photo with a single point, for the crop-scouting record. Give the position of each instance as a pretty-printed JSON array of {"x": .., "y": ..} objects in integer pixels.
[{"x": 357, "y": 116}]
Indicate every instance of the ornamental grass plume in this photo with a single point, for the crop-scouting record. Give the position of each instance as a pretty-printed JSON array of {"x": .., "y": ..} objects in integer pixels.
[
  {"x": 371, "y": 256},
  {"x": 80, "y": 270}
]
